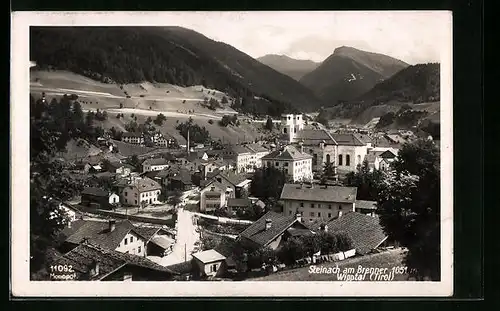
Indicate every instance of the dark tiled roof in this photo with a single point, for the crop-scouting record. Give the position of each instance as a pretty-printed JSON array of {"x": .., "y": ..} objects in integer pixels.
[
  {"x": 348, "y": 139},
  {"x": 319, "y": 193},
  {"x": 256, "y": 148},
  {"x": 146, "y": 232},
  {"x": 97, "y": 232},
  {"x": 131, "y": 134},
  {"x": 240, "y": 202},
  {"x": 182, "y": 268},
  {"x": 387, "y": 155},
  {"x": 146, "y": 184},
  {"x": 366, "y": 204},
  {"x": 288, "y": 153},
  {"x": 239, "y": 149},
  {"x": 155, "y": 161},
  {"x": 233, "y": 178},
  {"x": 95, "y": 192},
  {"x": 83, "y": 257},
  {"x": 311, "y": 137},
  {"x": 258, "y": 234},
  {"x": 184, "y": 176},
  {"x": 365, "y": 231}
]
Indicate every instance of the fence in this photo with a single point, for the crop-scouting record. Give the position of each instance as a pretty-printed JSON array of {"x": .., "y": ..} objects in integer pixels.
[
  {"x": 168, "y": 222},
  {"x": 224, "y": 219}
]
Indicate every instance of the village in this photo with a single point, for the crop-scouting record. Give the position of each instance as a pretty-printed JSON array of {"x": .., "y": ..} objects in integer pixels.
[{"x": 183, "y": 210}]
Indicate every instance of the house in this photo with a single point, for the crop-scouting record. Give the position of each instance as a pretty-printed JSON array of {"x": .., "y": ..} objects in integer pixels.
[
  {"x": 133, "y": 138},
  {"x": 71, "y": 211},
  {"x": 120, "y": 168},
  {"x": 365, "y": 231},
  {"x": 296, "y": 164},
  {"x": 366, "y": 207},
  {"x": 395, "y": 138},
  {"x": 245, "y": 157},
  {"x": 98, "y": 198},
  {"x": 387, "y": 157},
  {"x": 317, "y": 202},
  {"x": 205, "y": 167},
  {"x": 351, "y": 152},
  {"x": 141, "y": 189},
  {"x": 238, "y": 204},
  {"x": 159, "y": 242},
  {"x": 213, "y": 196},
  {"x": 93, "y": 263},
  {"x": 319, "y": 144},
  {"x": 272, "y": 229},
  {"x": 210, "y": 263},
  {"x": 258, "y": 151},
  {"x": 181, "y": 180},
  {"x": 155, "y": 164},
  {"x": 122, "y": 236},
  {"x": 234, "y": 183}
]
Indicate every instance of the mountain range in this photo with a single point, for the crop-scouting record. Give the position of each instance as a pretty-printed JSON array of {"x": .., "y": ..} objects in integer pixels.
[
  {"x": 348, "y": 73},
  {"x": 295, "y": 68},
  {"x": 173, "y": 55}
]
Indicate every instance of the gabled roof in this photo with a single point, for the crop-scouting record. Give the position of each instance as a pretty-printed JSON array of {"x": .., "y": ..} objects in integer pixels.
[
  {"x": 319, "y": 193},
  {"x": 258, "y": 234},
  {"x": 145, "y": 184},
  {"x": 348, "y": 139},
  {"x": 256, "y": 148},
  {"x": 147, "y": 232},
  {"x": 238, "y": 202},
  {"x": 388, "y": 155},
  {"x": 83, "y": 257},
  {"x": 233, "y": 178},
  {"x": 313, "y": 137},
  {"x": 208, "y": 256},
  {"x": 131, "y": 134},
  {"x": 183, "y": 175},
  {"x": 239, "y": 149},
  {"x": 95, "y": 192},
  {"x": 366, "y": 204},
  {"x": 155, "y": 161},
  {"x": 365, "y": 231},
  {"x": 97, "y": 233},
  {"x": 289, "y": 153}
]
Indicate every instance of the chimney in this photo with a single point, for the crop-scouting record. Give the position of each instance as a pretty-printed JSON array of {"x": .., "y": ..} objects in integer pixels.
[
  {"x": 298, "y": 216},
  {"x": 268, "y": 223},
  {"x": 69, "y": 223},
  {"x": 340, "y": 214},
  {"x": 301, "y": 144},
  {"x": 322, "y": 144},
  {"x": 112, "y": 225},
  {"x": 324, "y": 228},
  {"x": 94, "y": 268}
]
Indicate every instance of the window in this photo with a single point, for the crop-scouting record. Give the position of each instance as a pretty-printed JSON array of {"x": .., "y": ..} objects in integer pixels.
[
  {"x": 277, "y": 164},
  {"x": 301, "y": 204},
  {"x": 135, "y": 201},
  {"x": 319, "y": 205},
  {"x": 286, "y": 164},
  {"x": 327, "y": 158},
  {"x": 125, "y": 241},
  {"x": 340, "y": 159},
  {"x": 319, "y": 214},
  {"x": 289, "y": 212},
  {"x": 136, "y": 195},
  {"x": 139, "y": 250},
  {"x": 329, "y": 206},
  {"x": 285, "y": 130},
  {"x": 295, "y": 129},
  {"x": 131, "y": 239},
  {"x": 214, "y": 268},
  {"x": 312, "y": 205},
  {"x": 125, "y": 193},
  {"x": 340, "y": 207},
  {"x": 311, "y": 214},
  {"x": 347, "y": 160},
  {"x": 329, "y": 215}
]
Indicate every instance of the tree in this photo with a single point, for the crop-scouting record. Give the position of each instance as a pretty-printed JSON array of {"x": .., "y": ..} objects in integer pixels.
[
  {"x": 224, "y": 100},
  {"x": 175, "y": 199},
  {"x": 159, "y": 119},
  {"x": 225, "y": 121},
  {"x": 267, "y": 182},
  {"x": 269, "y": 124},
  {"x": 292, "y": 250},
  {"x": 135, "y": 162},
  {"x": 409, "y": 207},
  {"x": 149, "y": 120},
  {"x": 368, "y": 182},
  {"x": 329, "y": 173}
]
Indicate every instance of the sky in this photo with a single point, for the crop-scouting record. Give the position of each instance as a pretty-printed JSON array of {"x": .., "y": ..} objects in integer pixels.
[{"x": 411, "y": 36}]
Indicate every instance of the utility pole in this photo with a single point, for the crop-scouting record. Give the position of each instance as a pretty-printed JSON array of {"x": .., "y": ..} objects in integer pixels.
[
  {"x": 188, "y": 149},
  {"x": 185, "y": 252}
]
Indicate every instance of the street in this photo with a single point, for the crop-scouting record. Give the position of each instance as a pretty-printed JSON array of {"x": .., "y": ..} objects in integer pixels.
[{"x": 186, "y": 238}]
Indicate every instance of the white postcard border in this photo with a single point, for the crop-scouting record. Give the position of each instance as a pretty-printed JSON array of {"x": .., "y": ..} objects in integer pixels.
[{"x": 20, "y": 282}]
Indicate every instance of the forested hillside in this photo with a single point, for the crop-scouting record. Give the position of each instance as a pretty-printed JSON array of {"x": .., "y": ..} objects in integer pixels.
[{"x": 167, "y": 54}]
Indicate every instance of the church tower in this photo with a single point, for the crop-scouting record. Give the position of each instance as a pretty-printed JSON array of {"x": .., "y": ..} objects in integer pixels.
[{"x": 291, "y": 124}]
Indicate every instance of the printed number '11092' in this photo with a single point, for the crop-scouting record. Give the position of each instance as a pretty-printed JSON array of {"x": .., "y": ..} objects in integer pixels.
[{"x": 61, "y": 268}]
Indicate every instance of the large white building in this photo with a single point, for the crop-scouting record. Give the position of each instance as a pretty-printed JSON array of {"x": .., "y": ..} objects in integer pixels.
[
  {"x": 291, "y": 124},
  {"x": 156, "y": 164},
  {"x": 213, "y": 196},
  {"x": 133, "y": 138},
  {"x": 245, "y": 157},
  {"x": 317, "y": 202},
  {"x": 294, "y": 162},
  {"x": 141, "y": 189}
]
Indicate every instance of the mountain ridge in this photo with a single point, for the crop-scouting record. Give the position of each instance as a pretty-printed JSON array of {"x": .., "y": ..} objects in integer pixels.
[
  {"x": 295, "y": 68},
  {"x": 348, "y": 73},
  {"x": 173, "y": 55}
]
